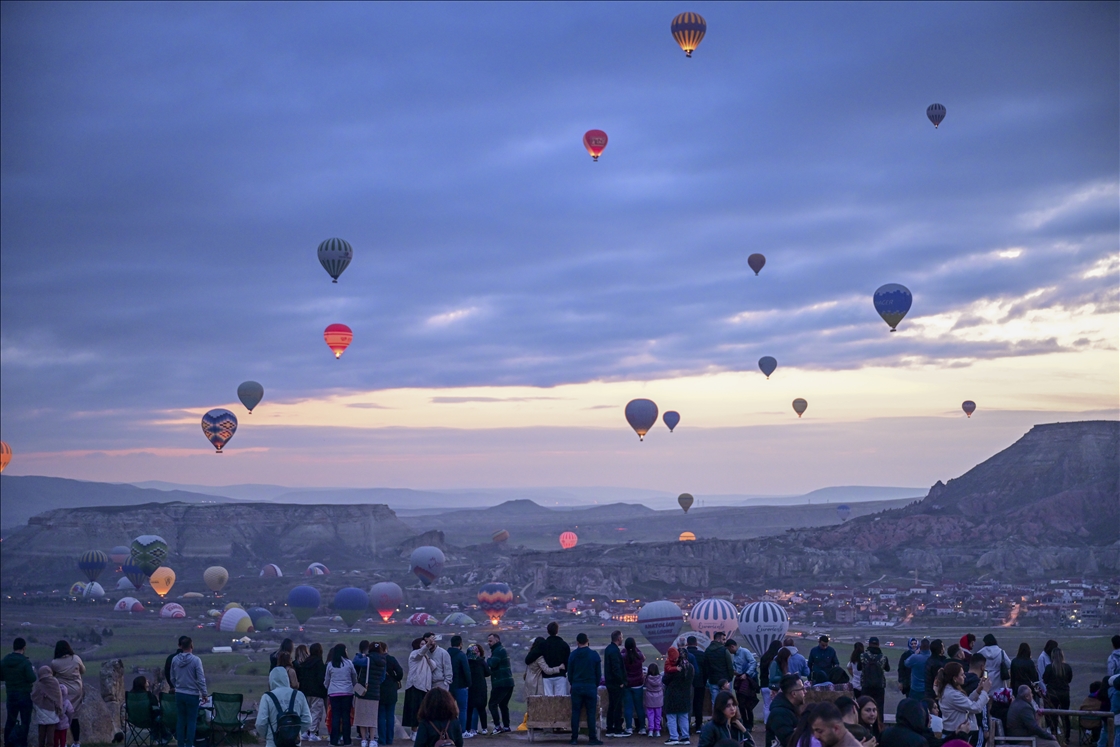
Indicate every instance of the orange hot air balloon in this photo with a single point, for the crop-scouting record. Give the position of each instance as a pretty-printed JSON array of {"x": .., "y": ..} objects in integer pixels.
[
  {"x": 568, "y": 540},
  {"x": 338, "y": 337},
  {"x": 687, "y": 537},
  {"x": 595, "y": 141},
  {"x": 162, "y": 579},
  {"x": 5, "y": 455}
]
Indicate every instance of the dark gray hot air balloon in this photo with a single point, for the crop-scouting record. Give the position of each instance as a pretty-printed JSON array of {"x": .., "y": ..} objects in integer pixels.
[
  {"x": 767, "y": 365},
  {"x": 800, "y": 406},
  {"x": 672, "y": 418},
  {"x": 250, "y": 393},
  {"x": 756, "y": 262},
  {"x": 335, "y": 256},
  {"x": 641, "y": 414},
  {"x": 936, "y": 113},
  {"x": 685, "y": 500}
]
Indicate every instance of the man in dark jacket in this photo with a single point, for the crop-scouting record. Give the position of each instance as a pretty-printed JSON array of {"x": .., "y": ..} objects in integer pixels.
[
  {"x": 718, "y": 664},
  {"x": 585, "y": 669},
  {"x": 911, "y": 727},
  {"x": 387, "y": 704},
  {"x": 615, "y": 676},
  {"x": 167, "y": 664},
  {"x": 823, "y": 657},
  {"x": 501, "y": 682},
  {"x": 874, "y": 665},
  {"x": 934, "y": 663},
  {"x": 699, "y": 683},
  {"x": 1022, "y": 721},
  {"x": 19, "y": 677},
  {"x": 556, "y": 652},
  {"x": 785, "y": 710},
  {"x": 460, "y": 677}
]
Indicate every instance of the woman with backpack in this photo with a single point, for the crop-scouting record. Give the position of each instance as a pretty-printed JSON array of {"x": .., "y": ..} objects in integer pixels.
[
  {"x": 339, "y": 680},
  {"x": 282, "y": 715},
  {"x": 439, "y": 721}
]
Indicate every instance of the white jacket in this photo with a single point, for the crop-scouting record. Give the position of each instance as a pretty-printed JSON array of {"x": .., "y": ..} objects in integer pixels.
[
  {"x": 340, "y": 680},
  {"x": 441, "y": 674},
  {"x": 995, "y": 656},
  {"x": 420, "y": 667},
  {"x": 958, "y": 708}
]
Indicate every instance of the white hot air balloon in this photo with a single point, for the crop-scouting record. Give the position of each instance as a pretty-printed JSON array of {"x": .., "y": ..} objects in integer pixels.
[
  {"x": 710, "y": 616},
  {"x": 761, "y": 623}
]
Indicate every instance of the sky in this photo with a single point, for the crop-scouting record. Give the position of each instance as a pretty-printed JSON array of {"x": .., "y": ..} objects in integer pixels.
[{"x": 168, "y": 170}]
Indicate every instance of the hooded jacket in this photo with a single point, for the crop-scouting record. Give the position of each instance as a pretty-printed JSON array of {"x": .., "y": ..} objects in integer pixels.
[
  {"x": 46, "y": 694},
  {"x": 903, "y": 669},
  {"x": 782, "y": 721},
  {"x": 635, "y": 669},
  {"x": 995, "y": 657},
  {"x": 267, "y": 712},
  {"x": 910, "y": 728},
  {"x": 443, "y": 673},
  {"x": 654, "y": 691},
  {"x": 17, "y": 673},
  {"x": 187, "y": 674},
  {"x": 678, "y": 683}
]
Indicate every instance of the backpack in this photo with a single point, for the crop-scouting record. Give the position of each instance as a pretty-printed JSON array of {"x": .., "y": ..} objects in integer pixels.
[
  {"x": 872, "y": 667},
  {"x": 444, "y": 740},
  {"x": 288, "y": 724}
]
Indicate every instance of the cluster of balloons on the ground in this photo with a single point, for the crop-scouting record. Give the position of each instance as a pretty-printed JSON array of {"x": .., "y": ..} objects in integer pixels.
[{"x": 759, "y": 623}]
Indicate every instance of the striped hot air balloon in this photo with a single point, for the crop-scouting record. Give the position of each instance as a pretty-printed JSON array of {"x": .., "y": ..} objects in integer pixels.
[
  {"x": 712, "y": 616},
  {"x": 335, "y": 256},
  {"x": 936, "y": 114},
  {"x": 494, "y": 599},
  {"x": 762, "y": 623},
  {"x": 500, "y": 536},
  {"x": 317, "y": 569},
  {"x": 568, "y": 540},
  {"x": 338, "y": 337},
  {"x": 271, "y": 570},
  {"x": 5, "y": 455},
  {"x": 689, "y": 29},
  {"x": 687, "y": 537},
  {"x": 93, "y": 563},
  {"x": 235, "y": 620}
]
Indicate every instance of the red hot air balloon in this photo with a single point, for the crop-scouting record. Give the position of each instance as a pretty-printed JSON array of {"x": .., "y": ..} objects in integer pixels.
[
  {"x": 756, "y": 262},
  {"x": 568, "y": 540},
  {"x": 338, "y": 337},
  {"x": 969, "y": 407},
  {"x": 595, "y": 141}
]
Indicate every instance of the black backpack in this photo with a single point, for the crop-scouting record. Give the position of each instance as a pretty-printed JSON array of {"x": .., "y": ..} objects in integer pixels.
[
  {"x": 288, "y": 724},
  {"x": 873, "y": 675}
]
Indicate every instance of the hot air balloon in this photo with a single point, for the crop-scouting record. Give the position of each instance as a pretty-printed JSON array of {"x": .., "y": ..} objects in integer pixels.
[
  {"x": 338, "y": 337},
  {"x": 672, "y": 418},
  {"x": 660, "y": 622},
  {"x": 595, "y": 141},
  {"x": 271, "y": 570},
  {"x": 262, "y": 619},
  {"x": 93, "y": 563},
  {"x": 500, "y": 536},
  {"x": 5, "y": 455},
  {"x": 843, "y": 511},
  {"x": 687, "y": 537},
  {"x": 350, "y": 603},
  {"x": 685, "y": 500},
  {"x": 421, "y": 618},
  {"x": 317, "y": 569},
  {"x": 641, "y": 414},
  {"x": 218, "y": 426},
  {"x": 235, "y": 620},
  {"x": 215, "y": 577},
  {"x": 303, "y": 601},
  {"x": 712, "y": 616},
  {"x": 172, "y": 611},
  {"x": 162, "y": 579},
  {"x": 892, "y": 301},
  {"x": 969, "y": 407},
  {"x": 386, "y": 598},
  {"x": 702, "y": 641},
  {"x": 494, "y": 599},
  {"x": 233, "y": 606},
  {"x": 128, "y": 604},
  {"x": 568, "y": 540},
  {"x": 762, "y": 623},
  {"x": 148, "y": 552},
  {"x": 94, "y": 590},
  {"x": 427, "y": 563},
  {"x": 119, "y": 554},
  {"x": 250, "y": 393},
  {"x": 688, "y": 29},
  {"x": 936, "y": 113},
  {"x": 800, "y": 406},
  {"x": 756, "y": 262},
  {"x": 77, "y": 589},
  {"x": 124, "y": 584},
  {"x": 767, "y": 365},
  {"x": 459, "y": 619},
  {"x": 335, "y": 256},
  {"x": 134, "y": 575}
]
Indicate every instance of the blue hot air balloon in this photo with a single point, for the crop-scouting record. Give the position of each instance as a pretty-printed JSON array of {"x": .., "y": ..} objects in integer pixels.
[
  {"x": 767, "y": 365},
  {"x": 641, "y": 414},
  {"x": 350, "y": 603},
  {"x": 93, "y": 563},
  {"x": 843, "y": 511},
  {"x": 218, "y": 426},
  {"x": 672, "y": 418},
  {"x": 304, "y": 602},
  {"x": 892, "y": 301},
  {"x": 250, "y": 393}
]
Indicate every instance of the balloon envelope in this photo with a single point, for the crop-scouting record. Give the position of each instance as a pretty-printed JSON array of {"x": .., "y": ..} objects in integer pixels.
[
  {"x": 338, "y": 337},
  {"x": 641, "y": 414},
  {"x": 800, "y": 406},
  {"x": 494, "y": 599},
  {"x": 685, "y": 500},
  {"x": 936, "y": 113},
  {"x": 250, "y": 393},
  {"x": 119, "y": 554},
  {"x": 500, "y": 536},
  {"x": 843, "y": 511},
  {"x": 756, "y": 262},
  {"x": 421, "y": 618},
  {"x": 125, "y": 584},
  {"x": 689, "y": 29},
  {"x": 161, "y": 580},
  {"x": 762, "y": 623},
  {"x": 128, "y": 604},
  {"x": 687, "y": 537},
  {"x": 767, "y": 365},
  {"x": 660, "y": 623},
  {"x": 427, "y": 563},
  {"x": 595, "y": 141},
  {"x": 335, "y": 256},
  {"x": 218, "y": 426},
  {"x": 5, "y": 455},
  {"x": 134, "y": 575},
  {"x": 233, "y": 606},
  {"x": 94, "y": 590},
  {"x": 672, "y": 418},
  {"x": 271, "y": 570},
  {"x": 568, "y": 540},
  {"x": 262, "y": 618},
  {"x": 78, "y": 589},
  {"x": 458, "y": 618},
  {"x": 969, "y": 407},
  {"x": 93, "y": 563},
  {"x": 304, "y": 602},
  {"x": 386, "y": 598},
  {"x": 317, "y": 569},
  {"x": 172, "y": 611},
  {"x": 892, "y": 301},
  {"x": 235, "y": 620},
  {"x": 148, "y": 552},
  {"x": 215, "y": 577},
  {"x": 711, "y": 616}
]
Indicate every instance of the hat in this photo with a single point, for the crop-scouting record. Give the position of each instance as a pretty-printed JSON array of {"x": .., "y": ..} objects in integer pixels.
[
  {"x": 823, "y": 638},
  {"x": 873, "y": 640}
]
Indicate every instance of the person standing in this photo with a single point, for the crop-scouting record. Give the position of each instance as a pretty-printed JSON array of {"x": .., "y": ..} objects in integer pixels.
[
  {"x": 764, "y": 676},
  {"x": 167, "y": 664},
  {"x": 745, "y": 683},
  {"x": 535, "y": 669},
  {"x": 1112, "y": 687},
  {"x": 417, "y": 684},
  {"x": 443, "y": 673},
  {"x": 387, "y": 704},
  {"x": 855, "y": 669},
  {"x": 904, "y": 669},
  {"x": 370, "y": 672},
  {"x": 917, "y": 666},
  {"x": 276, "y": 701},
  {"x": 614, "y": 675},
  {"x": 190, "y": 691},
  {"x": 718, "y": 664},
  {"x": 501, "y": 682},
  {"x": 585, "y": 669},
  {"x": 1023, "y": 669},
  {"x": 968, "y": 645},
  {"x": 823, "y": 658},
  {"x": 785, "y": 709},
  {"x": 460, "y": 678},
  {"x": 998, "y": 663},
  {"x": 46, "y": 701},
  {"x": 678, "y": 695},
  {"x": 18, "y": 676},
  {"x": 958, "y": 709},
  {"x": 936, "y": 660},
  {"x": 312, "y": 671},
  {"x": 798, "y": 664},
  {"x": 654, "y": 697},
  {"x": 699, "y": 682},
  {"x": 273, "y": 658},
  {"x": 476, "y": 693},
  {"x": 339, "y": 681},
  {"x": 874, "y": 665},
  {"x": 284, "y": 661},
  {"x": 68, "y": 668},
  {"x": 634, "y": 698},
  {"x": 1057, "y": 677},
  {"x": 556, "y": 652}
]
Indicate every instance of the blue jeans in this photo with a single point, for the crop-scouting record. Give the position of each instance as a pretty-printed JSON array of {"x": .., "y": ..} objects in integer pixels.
[
  {"x": 678, "y": 726},
  {"x": 19, "y": 704},
  {"x": 713, "y": 690},
  {"x": 633, "y": 701},
  {"x": 584, "y": 700},
  {"x": 461, "y": 701},
  {"x": 386, "y": 721},
  {"x": 186, "y": 718}
]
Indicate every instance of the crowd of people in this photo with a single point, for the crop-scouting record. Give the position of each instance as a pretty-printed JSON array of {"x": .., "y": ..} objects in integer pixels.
[{"x": 952, "y": 695}]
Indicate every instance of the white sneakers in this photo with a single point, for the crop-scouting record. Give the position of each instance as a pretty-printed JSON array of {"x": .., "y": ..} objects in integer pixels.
[{"x": 365, "y": 743}]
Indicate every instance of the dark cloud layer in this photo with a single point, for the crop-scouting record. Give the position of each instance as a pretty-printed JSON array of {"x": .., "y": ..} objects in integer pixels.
[{"x": 168, "y": 171}]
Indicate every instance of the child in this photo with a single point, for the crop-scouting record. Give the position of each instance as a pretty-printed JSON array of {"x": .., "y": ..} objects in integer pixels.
[
  {"x": 63, "y": 724},
  {"x": 654, "y": 700}
]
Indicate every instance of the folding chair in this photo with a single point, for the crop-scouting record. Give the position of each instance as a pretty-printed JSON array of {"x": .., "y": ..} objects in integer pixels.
[
  {"x": 136, "y": 716},
  {"x": 228, "y": 724},
  {"x": 169, "y": 715}
]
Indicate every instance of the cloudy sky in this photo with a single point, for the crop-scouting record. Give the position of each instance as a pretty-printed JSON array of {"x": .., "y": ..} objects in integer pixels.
[{"x": 168, "y": 171}]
